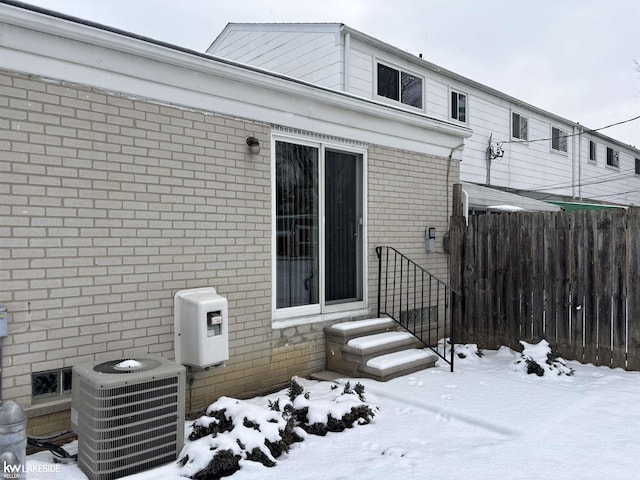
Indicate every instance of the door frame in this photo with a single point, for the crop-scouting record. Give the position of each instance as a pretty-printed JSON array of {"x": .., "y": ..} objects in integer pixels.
[{"x": 322, "y": 143}]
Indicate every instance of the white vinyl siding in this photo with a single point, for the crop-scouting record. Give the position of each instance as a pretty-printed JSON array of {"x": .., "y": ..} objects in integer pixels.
[
  {"x": 309, "y": 56},
  {"x": 530, "y": 156}
]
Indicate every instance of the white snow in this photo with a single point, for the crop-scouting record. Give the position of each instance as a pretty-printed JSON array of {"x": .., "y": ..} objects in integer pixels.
[
  {"x": 128, "y": 364},
  {"x": 360, "y": 323},
  {"x": 484, "y": 421},
  {"x": 505, "y": 208},
  {"x": 391, "y": 360},
  {"x": 378, "y": 339}
]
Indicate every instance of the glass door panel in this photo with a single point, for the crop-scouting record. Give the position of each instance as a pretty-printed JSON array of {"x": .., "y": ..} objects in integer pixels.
[
  {"x": 297, "y": 214},
  {"x": 343, "y": 227}
]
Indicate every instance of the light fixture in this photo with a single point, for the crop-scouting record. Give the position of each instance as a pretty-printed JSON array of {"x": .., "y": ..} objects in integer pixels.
[{"x": 253, "y": 143}]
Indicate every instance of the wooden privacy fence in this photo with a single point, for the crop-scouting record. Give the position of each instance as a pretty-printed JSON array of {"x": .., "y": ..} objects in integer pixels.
[{"x": 572, "y": 278}]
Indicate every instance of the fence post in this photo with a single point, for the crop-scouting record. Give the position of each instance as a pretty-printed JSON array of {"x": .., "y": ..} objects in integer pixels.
[{"x": 456, "y": 261}]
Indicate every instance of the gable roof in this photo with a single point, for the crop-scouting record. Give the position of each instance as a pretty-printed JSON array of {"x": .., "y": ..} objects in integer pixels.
[{"x": 422, "y": 63}]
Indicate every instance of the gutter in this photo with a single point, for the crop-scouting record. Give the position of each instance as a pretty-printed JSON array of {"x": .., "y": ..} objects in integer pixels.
[{"x": 47, "y": 22}]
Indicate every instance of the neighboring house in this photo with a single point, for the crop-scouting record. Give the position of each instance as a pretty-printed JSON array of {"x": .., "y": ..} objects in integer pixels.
[
  {"x": 132, "y": 169},
  {"x": 536, "y": 152}
]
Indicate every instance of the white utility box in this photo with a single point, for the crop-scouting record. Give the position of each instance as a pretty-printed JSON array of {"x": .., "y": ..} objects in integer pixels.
[{"x": 201, "y": 327}]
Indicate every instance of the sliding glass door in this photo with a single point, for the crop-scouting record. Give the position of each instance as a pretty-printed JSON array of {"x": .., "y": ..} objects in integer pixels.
[{"x": 319, "y": 225}]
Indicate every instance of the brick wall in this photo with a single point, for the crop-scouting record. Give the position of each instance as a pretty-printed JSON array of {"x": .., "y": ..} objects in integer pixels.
[
  {"x": 408, "y": 192},
  {"x": 109, "y": 205}
]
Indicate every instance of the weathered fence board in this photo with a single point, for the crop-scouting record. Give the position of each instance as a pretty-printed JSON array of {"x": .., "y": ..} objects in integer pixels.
[
  {"x": 571, "y": 278},
  {"x": 633, "y": 289}
]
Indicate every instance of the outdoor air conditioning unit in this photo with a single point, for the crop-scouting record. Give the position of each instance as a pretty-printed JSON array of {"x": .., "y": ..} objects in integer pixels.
[{"x": 128, "y": 414}]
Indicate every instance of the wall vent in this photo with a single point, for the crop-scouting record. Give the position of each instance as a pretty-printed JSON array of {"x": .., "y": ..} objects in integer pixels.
[{"x": 128, "y": 414}]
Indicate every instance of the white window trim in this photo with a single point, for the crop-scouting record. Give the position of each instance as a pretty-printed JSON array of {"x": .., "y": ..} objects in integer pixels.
[
  {"x": 390, "y": 101},
  {"x": 517, "y": 139},
  {"x": 466, "y": 111},
  {"x": 564, "y": 133},
  {"x": 317, "y": 312}
]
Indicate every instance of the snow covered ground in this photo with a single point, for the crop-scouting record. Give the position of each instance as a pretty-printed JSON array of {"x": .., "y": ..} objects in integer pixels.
[{"x": 487, "y": 420}]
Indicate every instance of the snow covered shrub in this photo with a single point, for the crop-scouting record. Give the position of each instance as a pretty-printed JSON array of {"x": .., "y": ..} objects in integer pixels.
[
  {"x": 233, "y": 431},
  {"x": 539, "y": 359},
  {"x": 319, "y": 416},
  {"x": 469, "y": 351}
]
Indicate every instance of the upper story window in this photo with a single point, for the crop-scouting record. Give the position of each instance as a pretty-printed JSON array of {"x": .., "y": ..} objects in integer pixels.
[
  {"x": 558, "y": 139},
  {"x": 637, "y": 166},
  {"x": 519, "y": 126},
  {"x": 613, "y": 157},
  {"x": 592, "y": 151},
  {"x": 400, "y": 86},
  {"x": 458, "y": 106}
]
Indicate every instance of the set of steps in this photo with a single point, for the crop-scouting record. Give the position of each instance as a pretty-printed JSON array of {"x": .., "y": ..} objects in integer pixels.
[{"x": 374, "y": 348}]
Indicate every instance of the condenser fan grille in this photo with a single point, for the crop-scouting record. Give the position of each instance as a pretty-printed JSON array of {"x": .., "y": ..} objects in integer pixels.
[
  {"x": 127, "y": 365},
  {"x": 129, "y": 415}
]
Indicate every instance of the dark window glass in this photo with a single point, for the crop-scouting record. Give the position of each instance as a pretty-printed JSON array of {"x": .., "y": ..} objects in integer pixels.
[
  {"x": 592, "y": 151},
  {"x": 454, "y": 105},
  {"x": 612, "y": 157},
  {"x": 558, "y": 139},
  {"x": 388, "y": 82},
  {"x": 519, "y": 126},
  {"x": 411, "y": 90},
  {"x": 297, "y": 210},
  {"x": 637, "y": 166}
]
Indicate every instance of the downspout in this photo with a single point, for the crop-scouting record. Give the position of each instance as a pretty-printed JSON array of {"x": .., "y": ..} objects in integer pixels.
[
  {"x": 347, "y": 61},
  {"x": 448, "y": 172},
  {"x": 580, "y": 163},
  {"x": 573, "y": 163}
]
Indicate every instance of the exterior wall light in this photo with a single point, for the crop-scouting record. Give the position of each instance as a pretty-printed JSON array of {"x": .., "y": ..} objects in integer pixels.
[{"x": 254, "y": 144}]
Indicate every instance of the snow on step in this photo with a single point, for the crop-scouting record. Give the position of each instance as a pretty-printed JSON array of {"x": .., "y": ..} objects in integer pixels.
[
  {"x": 392, "y": 360},
  {"x": 371, "y": 322},
  {"x": 378, "y": 339}
]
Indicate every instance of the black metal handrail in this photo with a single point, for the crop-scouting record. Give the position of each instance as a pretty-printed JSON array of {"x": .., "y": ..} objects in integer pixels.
[{"x": 417, "y": 300}]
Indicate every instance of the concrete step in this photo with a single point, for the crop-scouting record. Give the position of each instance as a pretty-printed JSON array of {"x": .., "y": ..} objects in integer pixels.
[
  {"x": 345, "y": 331},
  {"x": 361, "y": 349},
  {"x": 374, "y": 348},
  {"x": 404, "y": 362}
]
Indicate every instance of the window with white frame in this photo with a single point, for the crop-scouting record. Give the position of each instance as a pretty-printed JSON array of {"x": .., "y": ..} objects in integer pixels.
[
  {"x": 319, "y": 227},
  {"x": 593, "y": 149},
  {"x": 519, "y": 126},
  {"x": 458, "y": 106},
  {"x": 398, "y": 85},
  {"x": 613, "y": 157},
  {"x": 51, "y": 385},
  {"x": 558, "y": 139},
  {"x": 637, "y": 166}
]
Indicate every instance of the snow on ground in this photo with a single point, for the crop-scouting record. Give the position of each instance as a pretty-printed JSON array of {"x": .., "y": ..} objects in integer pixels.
[{"x": 486, "y": 420}]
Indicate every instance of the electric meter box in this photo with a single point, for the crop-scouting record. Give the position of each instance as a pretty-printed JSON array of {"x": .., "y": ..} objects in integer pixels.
[{"x": 201, "y": 324}]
